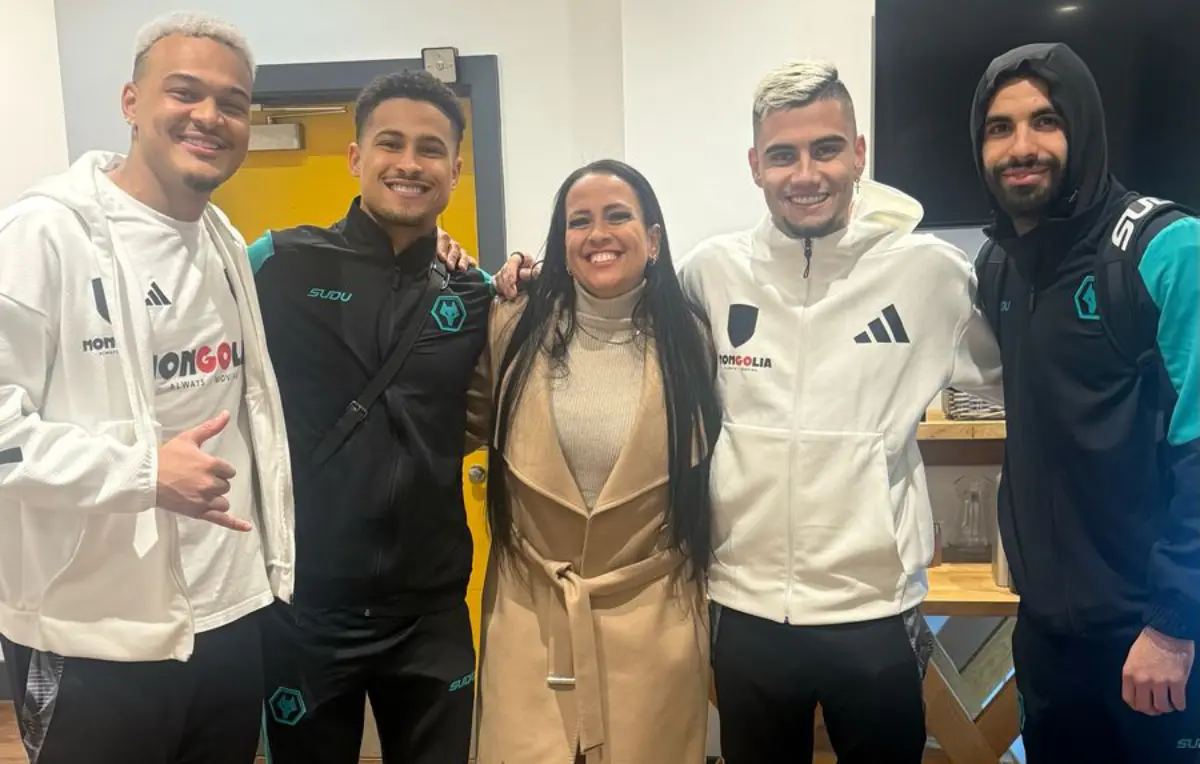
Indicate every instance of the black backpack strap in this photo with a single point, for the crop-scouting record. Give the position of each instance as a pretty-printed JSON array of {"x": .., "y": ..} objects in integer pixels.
[
  {"x": 1128, "y": 315},
  {"x": 991, "y": 271},
  {"x": 356, "y": 412}
]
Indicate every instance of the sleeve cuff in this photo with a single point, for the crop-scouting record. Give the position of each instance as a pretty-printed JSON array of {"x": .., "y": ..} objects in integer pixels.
[{"x": 1175, "y": 619}]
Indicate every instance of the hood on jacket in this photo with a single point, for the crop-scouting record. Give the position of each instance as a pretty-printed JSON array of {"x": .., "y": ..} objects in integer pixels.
[
  {"x": 1086, "y": 181},
  {"x": 76, "y": 188},
  {"x": 877, "y": 212}
]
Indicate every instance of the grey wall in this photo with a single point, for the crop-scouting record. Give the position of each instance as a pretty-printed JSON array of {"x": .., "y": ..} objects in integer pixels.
[
  {"x": 968, "y": 240},
  {"x": 95, "y": 43}
]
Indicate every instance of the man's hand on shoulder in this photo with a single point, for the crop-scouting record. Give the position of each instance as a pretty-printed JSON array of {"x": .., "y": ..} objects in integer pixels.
[
  {"x": 516, "y": 274},
  {"x": 452, "y": 254}
]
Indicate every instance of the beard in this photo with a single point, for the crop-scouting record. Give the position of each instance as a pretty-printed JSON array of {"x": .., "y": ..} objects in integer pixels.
[
  {"x": 201, "y": 185},
  {"x": 1026, "y": 201},
  {"x": 811, "y": 231},
  {"x": 399, "y": 219},
  {"x": 816, "y": 229}
]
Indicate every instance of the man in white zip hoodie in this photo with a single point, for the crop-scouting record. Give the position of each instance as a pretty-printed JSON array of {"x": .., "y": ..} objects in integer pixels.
[
  {"x": 836, "y": 326},
  {"x": 145, "y": 491}
]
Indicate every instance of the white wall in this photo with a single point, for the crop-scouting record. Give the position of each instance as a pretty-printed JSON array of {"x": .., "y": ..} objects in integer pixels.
[
  {"x": 559, "y": 70},
  {"x": 690, "y": 71},
  {"x": 33, "y": 138},
  {"x": 597, "y": 95}
]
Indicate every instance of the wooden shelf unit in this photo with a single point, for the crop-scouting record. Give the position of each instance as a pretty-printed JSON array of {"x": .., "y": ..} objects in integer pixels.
[
  {"x": 958, "y": 442},
  {"x": 966, "y": 589},
  {"x": 947, "y": 429}
]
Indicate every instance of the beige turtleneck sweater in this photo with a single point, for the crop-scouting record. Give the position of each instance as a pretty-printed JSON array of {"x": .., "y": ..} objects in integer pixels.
[{"x": 595, "y": 402}]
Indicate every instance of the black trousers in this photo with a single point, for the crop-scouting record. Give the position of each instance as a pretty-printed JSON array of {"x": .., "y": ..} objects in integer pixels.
[
  {"x": 866, "y": 676},
  {"x": 205, "y": 711},
  {"x": 1069, "y": 691},
  {"x": 323, "y": 663}
]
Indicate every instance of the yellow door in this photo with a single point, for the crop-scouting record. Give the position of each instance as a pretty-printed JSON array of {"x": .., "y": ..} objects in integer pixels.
[{"x": 313, "y": 186}]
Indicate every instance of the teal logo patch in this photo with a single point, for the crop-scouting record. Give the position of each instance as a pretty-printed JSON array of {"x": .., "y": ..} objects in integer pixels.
[
  {"x": 1085, "y": 300},
  {"x": 449, "y": 312},
  {"x": 287, "y": 706},
  {"x": 459, "y": 684}
]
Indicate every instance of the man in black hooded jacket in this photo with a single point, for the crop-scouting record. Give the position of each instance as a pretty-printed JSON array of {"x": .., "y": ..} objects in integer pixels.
[{"x": 1100, "y": 497}]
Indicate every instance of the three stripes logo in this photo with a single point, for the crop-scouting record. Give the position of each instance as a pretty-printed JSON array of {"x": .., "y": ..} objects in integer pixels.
[
  {"x": 156, "y": 296},
  {"x": 877, "y": 332}
]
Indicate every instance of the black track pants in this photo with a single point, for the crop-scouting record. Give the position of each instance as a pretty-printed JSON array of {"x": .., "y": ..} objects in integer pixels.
[
  {"x": 1072, "y": 709},
  {"x": 867, "y": 677},
  {"x": 323, "y": 664},
  {"x": 205, "y": 711}
]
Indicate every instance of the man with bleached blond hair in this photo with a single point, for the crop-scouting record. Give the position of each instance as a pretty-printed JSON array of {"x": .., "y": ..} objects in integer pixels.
[{"x": 145, "y": 488}]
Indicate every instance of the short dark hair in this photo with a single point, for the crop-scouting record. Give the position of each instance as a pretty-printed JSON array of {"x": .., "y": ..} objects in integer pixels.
[{"x": 417, "y": 85}]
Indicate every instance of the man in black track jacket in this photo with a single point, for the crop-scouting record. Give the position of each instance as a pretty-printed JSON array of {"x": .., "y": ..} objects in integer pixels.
[
  {"x": 1100, "y": 498},
  {"x": 383, "y": 549}
]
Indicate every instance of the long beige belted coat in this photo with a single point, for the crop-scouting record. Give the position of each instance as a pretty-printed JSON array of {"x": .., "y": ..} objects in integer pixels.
[{"x": 594, "y": 637}]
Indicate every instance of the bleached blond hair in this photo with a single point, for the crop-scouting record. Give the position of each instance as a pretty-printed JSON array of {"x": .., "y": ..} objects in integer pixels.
[
  {"x": 190, "y": 24},
  {"x": 800, "y": 83}
]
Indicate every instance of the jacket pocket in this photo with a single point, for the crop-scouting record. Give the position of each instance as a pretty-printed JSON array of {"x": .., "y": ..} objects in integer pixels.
[
  {"x": 843, "y": 524},
  {"x": 750, "y": 484},
  {"x": 36, "y": 547}
]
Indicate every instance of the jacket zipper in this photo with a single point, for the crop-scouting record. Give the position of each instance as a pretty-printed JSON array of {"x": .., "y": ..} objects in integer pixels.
[
  {"x": 377, "y": 569},
  {"x": 787, "y": 603},
  {"x": 137, "y": 380},
  {"x": 1053, "y": 492}
]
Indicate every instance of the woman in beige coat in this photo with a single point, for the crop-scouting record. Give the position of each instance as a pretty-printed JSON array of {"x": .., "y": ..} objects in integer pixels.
[{"x": 594, "y": 636}]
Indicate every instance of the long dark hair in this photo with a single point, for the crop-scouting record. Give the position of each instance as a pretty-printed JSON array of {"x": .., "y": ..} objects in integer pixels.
[{"x": 686, "y": 356}]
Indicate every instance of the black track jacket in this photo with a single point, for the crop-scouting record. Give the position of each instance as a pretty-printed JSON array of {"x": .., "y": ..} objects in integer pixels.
[{"x": 381, "y": 523}]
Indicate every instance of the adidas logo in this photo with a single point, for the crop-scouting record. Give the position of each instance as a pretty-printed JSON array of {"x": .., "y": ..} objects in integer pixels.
[
  {"x": 876, "y": 332},
  {"x": 156, "y": 296}
]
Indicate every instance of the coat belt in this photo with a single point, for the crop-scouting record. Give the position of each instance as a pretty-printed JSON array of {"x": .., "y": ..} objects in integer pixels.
[{"x": 573, "y": 662}]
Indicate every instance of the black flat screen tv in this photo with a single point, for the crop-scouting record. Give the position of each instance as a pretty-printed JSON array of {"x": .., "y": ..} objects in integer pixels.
[{"x": 930, "y": 54}]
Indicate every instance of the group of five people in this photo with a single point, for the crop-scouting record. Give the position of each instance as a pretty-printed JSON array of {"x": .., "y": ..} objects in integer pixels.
[{"x": 226, "y": 500}]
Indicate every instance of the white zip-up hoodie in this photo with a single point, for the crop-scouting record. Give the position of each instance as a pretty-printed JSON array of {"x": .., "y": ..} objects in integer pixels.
[
  {"x": 89, "y": 567},
  {"x": 830, "y": 352}
]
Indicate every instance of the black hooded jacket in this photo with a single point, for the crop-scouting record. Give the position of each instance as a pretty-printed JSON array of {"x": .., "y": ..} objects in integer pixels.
[{"x": 1098, "y": 514}]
